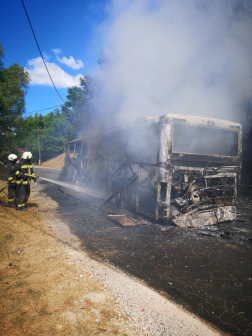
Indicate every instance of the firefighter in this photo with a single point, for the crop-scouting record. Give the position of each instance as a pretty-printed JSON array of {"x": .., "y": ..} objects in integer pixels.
[
  {"x": 23, "y": 182},
  {"x": 11, "y": 180}
]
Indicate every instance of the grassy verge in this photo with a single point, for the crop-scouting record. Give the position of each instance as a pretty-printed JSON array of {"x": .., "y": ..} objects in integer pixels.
[{"x": 41, "y": 292}]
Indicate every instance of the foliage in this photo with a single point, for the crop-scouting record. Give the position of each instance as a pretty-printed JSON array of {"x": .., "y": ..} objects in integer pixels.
[
  {"x": 52, "y": 130},
  {"x": 18, "y": 133},
  {"x": 103, "y": 60},
  {"x": 78, "y": 109},
  {"x": 54, "y": 126},
  {"x": 13, "y": 88},
  {"x": 8, "y": 145}
]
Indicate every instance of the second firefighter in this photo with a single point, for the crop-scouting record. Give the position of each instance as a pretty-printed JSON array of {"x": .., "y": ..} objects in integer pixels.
[
  {"x": 22, "y": 169},
  {"x": 11, "y": 180}
]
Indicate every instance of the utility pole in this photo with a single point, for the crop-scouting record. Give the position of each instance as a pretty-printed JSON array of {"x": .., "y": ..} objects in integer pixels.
[
  {"x": 67, "y": 153},
  {"x": 39, "y": 147}
]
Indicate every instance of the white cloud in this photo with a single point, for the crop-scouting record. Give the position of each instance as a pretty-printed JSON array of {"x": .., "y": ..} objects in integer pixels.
[
  {"x": 46, "y": 56},
  {"x": 39, "y": 75},
  {"x": 69, "y": 62},
  {"x": 57, "y": 51}
]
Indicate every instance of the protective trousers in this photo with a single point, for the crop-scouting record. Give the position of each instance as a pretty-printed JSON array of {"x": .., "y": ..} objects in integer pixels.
[
  {"x": 23, "y": 195},
  {"x": 11, "y": 194}
]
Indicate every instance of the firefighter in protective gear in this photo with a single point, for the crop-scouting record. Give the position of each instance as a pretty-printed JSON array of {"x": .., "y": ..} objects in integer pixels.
[
  {"x": 23, "y": 182},
  {"x": 11, "y": 179}
]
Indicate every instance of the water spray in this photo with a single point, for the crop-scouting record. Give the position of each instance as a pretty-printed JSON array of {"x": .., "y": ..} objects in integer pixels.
[{"x": 82, "y": 189}]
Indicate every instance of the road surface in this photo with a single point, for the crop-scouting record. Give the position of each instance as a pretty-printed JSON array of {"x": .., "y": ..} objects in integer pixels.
[{"x": 211, "y": 277}]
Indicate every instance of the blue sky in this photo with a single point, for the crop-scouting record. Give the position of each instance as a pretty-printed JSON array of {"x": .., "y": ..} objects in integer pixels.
[
  {"x": 163, "y": 54},
  {"x": 67, "y": 33}
]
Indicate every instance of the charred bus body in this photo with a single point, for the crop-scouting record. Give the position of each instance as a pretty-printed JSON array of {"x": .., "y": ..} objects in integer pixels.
[{"x": 179, "y": 168}]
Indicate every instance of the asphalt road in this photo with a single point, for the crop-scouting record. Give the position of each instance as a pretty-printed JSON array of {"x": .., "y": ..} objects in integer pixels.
[{"x": 212, "y": 277}]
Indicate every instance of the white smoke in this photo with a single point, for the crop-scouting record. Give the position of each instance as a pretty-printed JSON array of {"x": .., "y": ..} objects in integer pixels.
[{"x": 190, "y": 57}]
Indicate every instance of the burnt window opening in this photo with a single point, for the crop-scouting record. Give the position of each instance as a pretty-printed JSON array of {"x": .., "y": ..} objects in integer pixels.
[
  {"x": 231, "y": 181},
  {"x": 163, "y": 191},
  {"x": 135, "y": 144},
  {"x": 78, "y": 148},
  {"x": 203, "y": 140}
]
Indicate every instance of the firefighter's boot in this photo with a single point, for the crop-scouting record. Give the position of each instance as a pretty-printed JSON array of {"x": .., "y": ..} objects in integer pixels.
[
  {"x": 22, "y": 208},
  {"x": 12, "y": 204}
]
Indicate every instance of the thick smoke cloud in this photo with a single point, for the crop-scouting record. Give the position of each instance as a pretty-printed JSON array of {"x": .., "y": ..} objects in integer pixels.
[{"x": 189, "y": 57}]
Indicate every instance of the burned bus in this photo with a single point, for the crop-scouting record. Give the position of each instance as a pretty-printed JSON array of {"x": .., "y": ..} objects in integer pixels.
[{"x": 183, "y": 169}]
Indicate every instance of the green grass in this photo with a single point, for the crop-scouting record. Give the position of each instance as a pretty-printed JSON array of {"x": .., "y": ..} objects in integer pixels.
[
  {"x": 44, "y": 311},
  {"x": 34, "y": 294},
  {"x": 21, "y": 283}
]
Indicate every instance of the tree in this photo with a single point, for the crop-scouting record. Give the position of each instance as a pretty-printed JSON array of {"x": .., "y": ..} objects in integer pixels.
[
  {"x": 72, "y": 120},
  {"x": 14, "y": 82},
  {"x": 53, "y": 127},
  {"x": 103, "y": 59},
  {"x": 79, "y": 109}
]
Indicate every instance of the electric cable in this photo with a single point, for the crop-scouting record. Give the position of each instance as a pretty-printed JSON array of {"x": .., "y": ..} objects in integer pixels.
[
  {"x": 40, "y": 51},
  {"x": 48, "y": 108}
]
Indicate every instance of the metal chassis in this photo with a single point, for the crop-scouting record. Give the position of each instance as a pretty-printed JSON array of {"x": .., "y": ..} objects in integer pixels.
[{"x": 169, "y": 162}]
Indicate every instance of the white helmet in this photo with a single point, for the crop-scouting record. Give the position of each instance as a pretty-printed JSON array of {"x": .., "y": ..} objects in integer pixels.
[
  {"x": 12, "y": 157},
  {"x": 27, "y": 155}
]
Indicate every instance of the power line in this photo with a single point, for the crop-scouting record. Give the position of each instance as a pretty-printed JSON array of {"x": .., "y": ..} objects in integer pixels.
[
  {"x": 40, "y": 51},
  {"x": 48, "y": 108}
]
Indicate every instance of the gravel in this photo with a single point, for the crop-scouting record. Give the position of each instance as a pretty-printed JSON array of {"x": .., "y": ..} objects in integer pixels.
[{"x": 147, "y": 312}]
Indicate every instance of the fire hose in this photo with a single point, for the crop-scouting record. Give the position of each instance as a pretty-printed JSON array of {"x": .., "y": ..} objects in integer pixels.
[{"x": 2, "y": 190}]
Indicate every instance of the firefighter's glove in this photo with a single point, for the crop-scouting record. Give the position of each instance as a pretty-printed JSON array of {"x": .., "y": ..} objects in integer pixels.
[
  {"x": 24, "y": 177},
  {"x": 35, "y": 179}
]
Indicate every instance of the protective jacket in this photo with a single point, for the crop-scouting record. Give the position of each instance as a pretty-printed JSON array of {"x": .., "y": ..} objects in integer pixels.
[
  {"x": 11, "y": 176},
  {"x": 21, "y": 168}
]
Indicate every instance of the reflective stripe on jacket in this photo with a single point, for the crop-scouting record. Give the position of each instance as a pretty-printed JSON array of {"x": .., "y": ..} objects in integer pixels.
[{"x": 23, "y": 167}]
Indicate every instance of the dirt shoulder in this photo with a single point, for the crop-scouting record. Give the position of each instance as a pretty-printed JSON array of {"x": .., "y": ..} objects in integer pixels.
[
  {"x": 42, "y": 291},
  {"x": 54, "y": 288}
]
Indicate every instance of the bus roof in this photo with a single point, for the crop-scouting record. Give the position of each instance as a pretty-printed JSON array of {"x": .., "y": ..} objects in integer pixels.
[{"x": 168, "y": 118}]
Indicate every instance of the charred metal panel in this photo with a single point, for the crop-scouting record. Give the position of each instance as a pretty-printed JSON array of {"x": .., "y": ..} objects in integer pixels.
[
  {"x": 194, "y": 190},
  {"x": 220, "y": 159},
  {"x": 165, "y": 143},
  {"x": 224, "y": 214},
  {"x": 191, "y": 188},
  {"x": 196, "y": 219},
  {"x": 202, "y": 218},
  {"x": 164, "y": 173}
]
